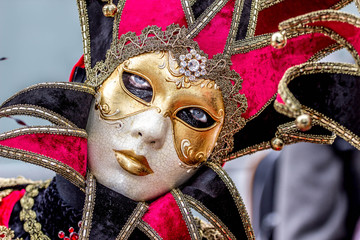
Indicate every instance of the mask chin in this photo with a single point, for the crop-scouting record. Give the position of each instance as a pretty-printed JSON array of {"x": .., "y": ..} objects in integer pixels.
[{"x": 147, "y": 134}]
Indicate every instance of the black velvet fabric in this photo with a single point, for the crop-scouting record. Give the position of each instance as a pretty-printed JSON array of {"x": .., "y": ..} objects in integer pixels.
[
  {"x": 52, "y": 212},
  {"x": 100, "y": 28},
  {"x": 244, "y": 20},
  {"x": 111, "y": 212},
  {"x": 138, "y": 235},
  {"x": 71, "y": 104},
  {"x": 200, "y": 6},
  {"x": 79, "y": 75},
  {"x": 334, "y": 95},
  {"x": 260, "y": 129},
  {"x": 207, "y": 187},
  {"x": 71, "y": 194},
  {"x": 263, "y": 129}
]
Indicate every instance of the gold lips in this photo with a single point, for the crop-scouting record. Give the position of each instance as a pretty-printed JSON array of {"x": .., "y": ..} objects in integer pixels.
[{"x": 133, "y": 163}]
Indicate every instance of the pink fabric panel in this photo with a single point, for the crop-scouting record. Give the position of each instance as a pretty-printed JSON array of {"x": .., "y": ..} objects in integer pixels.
[
  {"x": 66, "y": 149},
  {"x": 212, "y": 38},
  {"x": 7, "y": 204},
  {"x": 138, "y": 14},
  {"x": 262, "y": 69},
  {"x": 347, "y": 31},
  {"x": 164, "y": 212}
]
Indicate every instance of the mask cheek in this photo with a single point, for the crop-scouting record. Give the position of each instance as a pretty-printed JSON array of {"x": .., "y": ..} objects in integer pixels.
[{"x": 192, "y": 146}]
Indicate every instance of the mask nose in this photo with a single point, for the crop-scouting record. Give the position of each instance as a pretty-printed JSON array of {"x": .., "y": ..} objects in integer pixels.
[{"x": 151, "y": 128}]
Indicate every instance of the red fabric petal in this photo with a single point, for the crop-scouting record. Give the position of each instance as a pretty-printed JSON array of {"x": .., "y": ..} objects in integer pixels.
[
  {"x": 212, "y": 38},
  {"x": 80, "y": 64},
  {"x": 346, "y": 30},
  {"x": 262, "y": 69},
  {"x": 69, "y": 150},
  {"x": 137, "y": 15},
  {"x": 269, "y": 18},
  {"x": 164, "y": 212},
  {"x": 7, "y": 204}
]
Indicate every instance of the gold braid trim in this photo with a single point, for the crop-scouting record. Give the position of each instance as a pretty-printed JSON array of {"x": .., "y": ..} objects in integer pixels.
[
  {"x": 7, "y": 233},
  {"x": 294, "y": 108},
  {"x": 28, "y": 215},
  {"x": 5, "y": 193},
  {"x": 299, "y": 25},
  {"x": 12, "y": 182}
]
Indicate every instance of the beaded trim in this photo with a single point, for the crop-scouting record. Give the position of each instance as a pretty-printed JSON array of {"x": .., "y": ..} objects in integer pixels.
[
  {"x": 253, "y": 18},
  {"x": 292, "y": 104},
  {"x": 64, "y": 85},
  {"x": 325, "y": 52},
  {"x": 36, "y": 111},
  {"x": 186, "y": 5},
  {"x": 268, "y": 3},
  {"x": 294, "y": 108},
  {"x": 236, "y": 197},
  {"x": 132, "y": 221},
  {"x": 64, "y": 170},
  {"x": 234, "y": 26},
  {"x": 289, "y": 133},
  {"x": 205, "y": 17},
  {"x": 89, "y": 205},
  {"x": 148, "y": 230},
  {"x": 186, "y": 213},
  {"x": 44, "y": 129},
  {"x": 210, "y": 216},
  {"x": 298, "y": 26}
]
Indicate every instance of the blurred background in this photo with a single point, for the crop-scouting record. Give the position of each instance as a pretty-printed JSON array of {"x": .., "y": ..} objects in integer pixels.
[{"x": 41, "y": 41}]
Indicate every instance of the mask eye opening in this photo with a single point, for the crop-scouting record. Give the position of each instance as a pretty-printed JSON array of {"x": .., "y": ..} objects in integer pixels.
[
  {"x": 137, "y": 86},
  {"x": 196, "y": 118}
]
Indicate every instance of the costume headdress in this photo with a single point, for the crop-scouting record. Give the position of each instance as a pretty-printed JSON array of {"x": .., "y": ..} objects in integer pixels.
[{"x": 229, "y": 41}]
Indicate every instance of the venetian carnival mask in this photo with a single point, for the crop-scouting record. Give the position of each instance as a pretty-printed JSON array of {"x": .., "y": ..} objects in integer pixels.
[{"x": 146, "y": 134}]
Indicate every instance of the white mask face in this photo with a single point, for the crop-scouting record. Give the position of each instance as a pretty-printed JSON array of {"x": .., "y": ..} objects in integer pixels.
[{"x": 147, "y": 134}]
